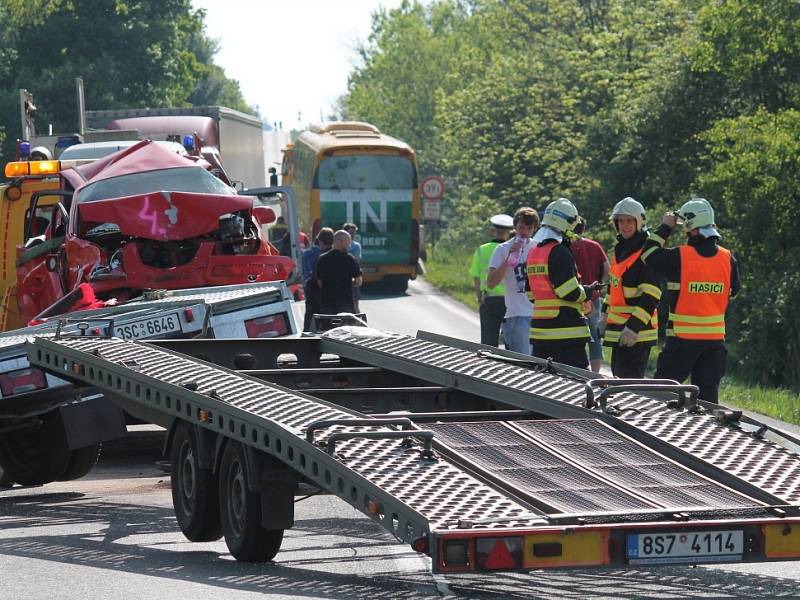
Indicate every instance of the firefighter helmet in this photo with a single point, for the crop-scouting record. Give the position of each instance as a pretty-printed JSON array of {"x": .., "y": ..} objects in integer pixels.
[
  {"x": 696, "y": 213},
  {"x": 41, "y": 153},
  {"x": 560, "y": 215},
  {"x": 629, "y": 208}
]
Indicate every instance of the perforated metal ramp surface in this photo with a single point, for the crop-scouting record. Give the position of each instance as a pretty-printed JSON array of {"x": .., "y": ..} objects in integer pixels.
[
  {"x": 582, "y": 465},
  {"x": 259, "y": 414},
  {"x": 758, "y": 462}
]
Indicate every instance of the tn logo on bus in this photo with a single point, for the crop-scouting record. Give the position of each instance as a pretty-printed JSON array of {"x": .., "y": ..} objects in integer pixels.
[
  {"x": 706, "y": 287},
  {"x": 367, "y": 213}
]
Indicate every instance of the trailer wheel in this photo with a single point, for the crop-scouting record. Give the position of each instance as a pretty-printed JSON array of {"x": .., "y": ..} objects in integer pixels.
[
  {"x": 5, "y": 481},
  {"x": 36, "y": 456},
  {"x": 240, "y": 509},
  {"x": 81, "y": 462},
  {"x": 195, "y": 495}
]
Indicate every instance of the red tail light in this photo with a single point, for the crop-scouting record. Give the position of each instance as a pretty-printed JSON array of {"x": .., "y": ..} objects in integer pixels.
[
  {"x": 267, "y": 327},
  {"x": 21, "y": 381},
  {"x": 499, "y": 553}
]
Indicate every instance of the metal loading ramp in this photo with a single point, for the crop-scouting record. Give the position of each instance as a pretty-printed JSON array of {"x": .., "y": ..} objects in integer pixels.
[
  {"x": 739, "y": 459},
  {"x": 414, "y": 494},
  {"x": 579, "y": 465}
]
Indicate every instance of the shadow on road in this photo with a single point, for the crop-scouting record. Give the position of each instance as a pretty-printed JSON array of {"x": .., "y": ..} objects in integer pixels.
[{"x": 314, "y": 565}]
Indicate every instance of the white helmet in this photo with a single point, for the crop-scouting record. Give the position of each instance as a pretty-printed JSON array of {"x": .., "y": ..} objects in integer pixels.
[
  {"x": 629, "y": 208},
  {"x": 41, "y": 153},
  {"x": 696, "y": 213},
  {"x": 560, "y": 215}
]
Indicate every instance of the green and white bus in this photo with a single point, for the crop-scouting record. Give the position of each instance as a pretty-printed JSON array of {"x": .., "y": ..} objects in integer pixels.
[{"x": 350, "y": 172}]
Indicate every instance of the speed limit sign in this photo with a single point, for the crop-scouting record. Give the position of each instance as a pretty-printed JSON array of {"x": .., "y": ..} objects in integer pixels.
[{"x": 432, "y": 187}]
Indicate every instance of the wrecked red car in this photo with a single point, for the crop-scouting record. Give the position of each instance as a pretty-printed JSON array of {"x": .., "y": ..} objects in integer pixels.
[{"x": 141, "y": 218}]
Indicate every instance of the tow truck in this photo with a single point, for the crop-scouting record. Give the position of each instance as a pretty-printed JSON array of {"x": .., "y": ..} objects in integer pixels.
[
  {"x": 49, "y": 430},
  {"x": 482, "y": 459}
]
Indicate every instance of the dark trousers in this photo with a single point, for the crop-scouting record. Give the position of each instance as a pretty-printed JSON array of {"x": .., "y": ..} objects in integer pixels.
[
  {"x": 491, "y": 312},
  {"x": 629, "y": 362},
  {"x": 312, "y": 305},
  {"x": 704, "y": 360},
  {"x": 569, "y": 354}
]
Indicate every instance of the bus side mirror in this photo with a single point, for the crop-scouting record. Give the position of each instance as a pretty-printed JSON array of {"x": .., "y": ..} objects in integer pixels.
[{"x": 264, "y": 215}]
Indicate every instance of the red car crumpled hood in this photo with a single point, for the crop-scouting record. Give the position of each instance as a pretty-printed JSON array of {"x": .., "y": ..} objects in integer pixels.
[{"x": 164, "y": 216}]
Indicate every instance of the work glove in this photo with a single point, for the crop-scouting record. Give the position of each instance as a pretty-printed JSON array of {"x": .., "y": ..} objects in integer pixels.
[
  {"x": 602, "y": 324},
  {"x": 628, "y": 337}
]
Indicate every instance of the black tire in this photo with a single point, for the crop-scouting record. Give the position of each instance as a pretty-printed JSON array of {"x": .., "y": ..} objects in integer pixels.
[
  {"x": 396, "y": 285},
  {"x": 195, "y": 495},
  {"x": 81, "y": 462},
  {"x": 240, "y": 510},
  {"x": 5, "y": 482},
  {"x": 36, "y": 456}
]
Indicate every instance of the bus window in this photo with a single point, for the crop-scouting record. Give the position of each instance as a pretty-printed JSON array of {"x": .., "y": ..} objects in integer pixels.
[{"x": 371, "y": 172}]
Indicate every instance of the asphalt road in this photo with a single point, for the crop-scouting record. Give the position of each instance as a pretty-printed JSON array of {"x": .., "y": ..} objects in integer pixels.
[{"x": 113, "y": 535}]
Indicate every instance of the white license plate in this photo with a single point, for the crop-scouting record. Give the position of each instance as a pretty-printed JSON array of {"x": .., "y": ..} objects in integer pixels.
[
  {"x": 685, "y": 547},
  {"x": 147, "y": 328}
]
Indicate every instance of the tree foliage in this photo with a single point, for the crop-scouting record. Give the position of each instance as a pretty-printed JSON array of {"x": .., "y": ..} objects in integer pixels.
[
  {"x": 129, "y": 54},
  {"x": 517, "y": 102}
]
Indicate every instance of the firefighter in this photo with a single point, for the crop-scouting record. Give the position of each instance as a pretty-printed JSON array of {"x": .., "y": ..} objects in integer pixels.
[
  {"x": 559, "y": 328},
  {"x": 701, "y": 278},
  {"x": 629, "y": 320}
]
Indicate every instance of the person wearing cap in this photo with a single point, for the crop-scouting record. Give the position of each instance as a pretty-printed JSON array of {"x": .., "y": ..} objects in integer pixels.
[
  {"x": 701, "y": 278},
  {"x": 491, "y": 302},
  {"x": 507, "y": 266}
]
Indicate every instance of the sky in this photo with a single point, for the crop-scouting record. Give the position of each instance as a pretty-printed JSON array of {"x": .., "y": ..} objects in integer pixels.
[{"x": 290, "y": 56}]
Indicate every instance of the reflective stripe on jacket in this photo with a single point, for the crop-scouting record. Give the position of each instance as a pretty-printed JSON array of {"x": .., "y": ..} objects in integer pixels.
[
  {"x": 549, "y": 302},
  {"x": 703, "y": 296},
  {"x": 619, "y": 308}
]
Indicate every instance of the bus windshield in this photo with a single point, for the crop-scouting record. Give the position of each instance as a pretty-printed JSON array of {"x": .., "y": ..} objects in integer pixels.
[{"x": 366, "y": 171}]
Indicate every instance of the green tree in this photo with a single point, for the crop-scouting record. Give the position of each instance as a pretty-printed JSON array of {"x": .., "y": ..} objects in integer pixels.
[
  {"x": 129, "y": 54},
  {"x": 753, "y": 180}
]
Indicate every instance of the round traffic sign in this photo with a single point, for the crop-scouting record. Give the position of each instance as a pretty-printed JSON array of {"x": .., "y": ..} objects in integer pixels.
[{"x": 432, "y": 187}]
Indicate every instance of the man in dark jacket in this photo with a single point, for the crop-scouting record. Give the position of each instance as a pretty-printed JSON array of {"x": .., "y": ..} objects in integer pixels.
[
  {"x": 701, "y": 277},
  {"x": 310, "y": 287},
  {"x": 335, "y": 274},
  {"x": 559, "y": 328},
  {"x": 629, "y": 321}
]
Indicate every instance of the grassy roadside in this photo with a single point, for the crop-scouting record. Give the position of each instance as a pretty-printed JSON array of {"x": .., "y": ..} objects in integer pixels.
[{"x": 448, "y": 272}]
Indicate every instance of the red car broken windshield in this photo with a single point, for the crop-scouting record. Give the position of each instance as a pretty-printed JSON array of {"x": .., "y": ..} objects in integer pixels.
[{"x": 180, "y": 179}]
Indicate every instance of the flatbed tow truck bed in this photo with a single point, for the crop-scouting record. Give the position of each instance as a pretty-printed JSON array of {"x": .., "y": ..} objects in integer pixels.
[
  {"x": 482, "y": 459},
  {"x": 50, "y": 430}
]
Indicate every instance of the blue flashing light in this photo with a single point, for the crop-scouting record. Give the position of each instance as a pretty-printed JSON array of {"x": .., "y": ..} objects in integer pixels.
[
  {"x": 188, "y": 143},
  {"x": 24, "y": 149}
]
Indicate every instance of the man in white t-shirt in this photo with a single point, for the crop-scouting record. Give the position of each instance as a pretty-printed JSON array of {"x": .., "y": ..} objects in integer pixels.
[{"x": 508, "y": 265}]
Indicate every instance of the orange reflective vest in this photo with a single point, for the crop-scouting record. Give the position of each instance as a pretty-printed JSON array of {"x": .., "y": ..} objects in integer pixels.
[
  {"x": 619, "y": 311},
  {"x": 705, "y": 289},
  {"x": 547, "y": 304}
]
